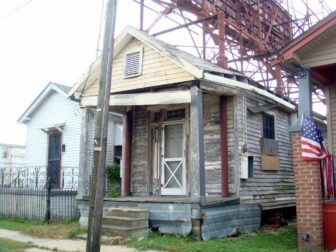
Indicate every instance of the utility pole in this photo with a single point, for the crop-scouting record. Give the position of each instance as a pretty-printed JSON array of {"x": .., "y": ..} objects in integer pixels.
[{"x": 100, "y": 140}]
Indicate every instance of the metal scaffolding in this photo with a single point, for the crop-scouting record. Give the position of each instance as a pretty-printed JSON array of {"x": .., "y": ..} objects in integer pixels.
[{"x": 238, "y": 34}]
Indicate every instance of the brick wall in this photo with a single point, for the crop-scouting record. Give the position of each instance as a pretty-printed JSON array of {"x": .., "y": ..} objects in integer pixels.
[{"x": 308, "y": 192}]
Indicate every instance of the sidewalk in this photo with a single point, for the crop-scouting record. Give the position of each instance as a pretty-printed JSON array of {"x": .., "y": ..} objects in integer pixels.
[{"x": 64, "y": 245}]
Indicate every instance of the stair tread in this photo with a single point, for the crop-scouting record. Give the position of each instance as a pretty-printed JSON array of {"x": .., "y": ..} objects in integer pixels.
[
  {"x": 124, "y": 218},
  {"x": 127, "y": 209},
  {"x": 121, "y": 228}
]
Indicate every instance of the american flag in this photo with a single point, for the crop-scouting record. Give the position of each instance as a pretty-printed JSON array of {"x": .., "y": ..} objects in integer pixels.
[{"x": 314, "y": 148}]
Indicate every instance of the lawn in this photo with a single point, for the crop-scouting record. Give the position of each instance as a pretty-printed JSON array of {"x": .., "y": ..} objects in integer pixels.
[
  {"x": 7, "y": 245},
  {"x": 282, "y": 239},
  {"x": 54, "y": 230}
]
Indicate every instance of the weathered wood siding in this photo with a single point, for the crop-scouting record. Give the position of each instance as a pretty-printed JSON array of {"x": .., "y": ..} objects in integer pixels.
[
  {"x": 212, "y": 148},
  {"x": 156, "y": 70},
  {"x": 271, "y": 189},
  {"x": 233, "y": 148},
  {"x": 140, "y": 162}
]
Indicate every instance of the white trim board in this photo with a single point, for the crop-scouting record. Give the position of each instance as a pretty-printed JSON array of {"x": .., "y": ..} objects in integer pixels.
[{"x": 150, "y": 98}]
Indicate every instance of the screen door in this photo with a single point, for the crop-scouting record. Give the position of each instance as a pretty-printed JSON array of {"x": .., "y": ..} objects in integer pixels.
[{"x": 173, "y": 159}]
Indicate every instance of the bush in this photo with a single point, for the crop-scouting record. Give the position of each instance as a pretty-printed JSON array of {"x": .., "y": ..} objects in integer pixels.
[{"x": 113, "y": 173}]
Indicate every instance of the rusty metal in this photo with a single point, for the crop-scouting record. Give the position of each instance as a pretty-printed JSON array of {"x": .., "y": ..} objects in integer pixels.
[{"x": 240, "y": 34}]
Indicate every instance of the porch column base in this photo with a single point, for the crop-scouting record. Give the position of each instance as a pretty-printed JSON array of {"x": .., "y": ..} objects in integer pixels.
[
  {"x": 196, "y": 220},
  {"x": 308, "y": 192},
  {"x": 200, "y": 199}
]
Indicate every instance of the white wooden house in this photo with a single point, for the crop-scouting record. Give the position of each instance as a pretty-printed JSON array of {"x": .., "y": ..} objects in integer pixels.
[{"x": 53, "y": 138}]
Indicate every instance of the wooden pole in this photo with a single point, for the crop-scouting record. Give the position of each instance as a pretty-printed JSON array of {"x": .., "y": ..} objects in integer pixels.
[{"x": 100, "y": 140}]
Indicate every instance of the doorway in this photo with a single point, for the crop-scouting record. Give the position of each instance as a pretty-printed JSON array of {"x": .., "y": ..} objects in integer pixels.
[
  {"x": 54, "y": 159},
  {"x": 173, "y": 174}
]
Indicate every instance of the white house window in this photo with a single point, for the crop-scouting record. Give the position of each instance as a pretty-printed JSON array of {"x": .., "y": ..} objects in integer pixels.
[{"x": 133, "y": 63}]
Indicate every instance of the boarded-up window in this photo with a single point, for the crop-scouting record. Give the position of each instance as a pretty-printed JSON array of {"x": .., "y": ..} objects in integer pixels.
[
  {"x": 132, "y": 64},
  {"x": 268, "y": 126}
]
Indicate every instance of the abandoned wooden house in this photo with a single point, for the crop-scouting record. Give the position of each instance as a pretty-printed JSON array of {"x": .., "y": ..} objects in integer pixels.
[{"x": 205, "y": 148}]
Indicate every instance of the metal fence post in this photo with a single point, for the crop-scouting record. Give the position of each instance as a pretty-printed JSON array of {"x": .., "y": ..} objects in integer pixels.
[{"x": 47, "y": 215}]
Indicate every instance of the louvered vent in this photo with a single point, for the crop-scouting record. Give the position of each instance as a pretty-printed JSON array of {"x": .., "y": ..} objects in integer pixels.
[{"x": 132, "y": 64}]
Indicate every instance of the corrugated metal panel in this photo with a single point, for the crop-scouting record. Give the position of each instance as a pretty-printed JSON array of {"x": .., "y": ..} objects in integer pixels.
[
  {"x": 169, "y": 218},
  {"x": 219, "y": 222}
]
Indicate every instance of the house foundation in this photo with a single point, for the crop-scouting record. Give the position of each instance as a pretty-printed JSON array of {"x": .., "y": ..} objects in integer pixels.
[{"x": 213, "y": 218}]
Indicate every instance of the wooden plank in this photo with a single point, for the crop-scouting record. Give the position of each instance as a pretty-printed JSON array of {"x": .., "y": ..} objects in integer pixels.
[
  {"x": 140, "y": 99},
  {"x": 270, "y": 162},
  {"x": 269, "y": 146},
  {"x": 156, "y": 70}
]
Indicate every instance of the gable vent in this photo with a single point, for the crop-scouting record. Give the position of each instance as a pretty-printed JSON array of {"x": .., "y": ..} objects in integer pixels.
[{"x": 132, "y": 64}]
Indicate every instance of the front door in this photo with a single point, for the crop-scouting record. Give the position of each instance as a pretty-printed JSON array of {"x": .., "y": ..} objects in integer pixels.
[
  {"x": 54, "y": 159},
  {"x": 173, "y": 178}
]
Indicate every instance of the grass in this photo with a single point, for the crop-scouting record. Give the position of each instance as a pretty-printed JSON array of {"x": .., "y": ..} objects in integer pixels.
[
  {"x": 113, "y": 189},
  {"x": 54, "y": 230},
  {"x": 283, "y": 239},
  {"x": 7, "y": 245}
]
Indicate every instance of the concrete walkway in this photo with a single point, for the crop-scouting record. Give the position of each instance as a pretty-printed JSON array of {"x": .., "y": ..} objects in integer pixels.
[{"x": 64, "y": 245}]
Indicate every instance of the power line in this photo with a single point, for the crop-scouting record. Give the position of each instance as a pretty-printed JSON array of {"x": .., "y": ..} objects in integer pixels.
[
  {"x": 16, "y": 10},
  {"x": 100, "y": 27}
]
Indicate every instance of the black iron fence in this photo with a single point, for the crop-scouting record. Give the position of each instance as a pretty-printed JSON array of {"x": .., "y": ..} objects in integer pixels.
[{"x": 25, "y": 193}]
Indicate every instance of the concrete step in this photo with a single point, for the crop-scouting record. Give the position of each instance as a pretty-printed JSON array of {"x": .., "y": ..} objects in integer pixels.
[
  {"x": 125, "y": 221},
  {"x": 127, "y": 232},
  {"x": 127, "y": 212}
]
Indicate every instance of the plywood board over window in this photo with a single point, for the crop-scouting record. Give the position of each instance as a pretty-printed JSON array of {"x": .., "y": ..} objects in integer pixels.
[{"x": 269, "y": 162}]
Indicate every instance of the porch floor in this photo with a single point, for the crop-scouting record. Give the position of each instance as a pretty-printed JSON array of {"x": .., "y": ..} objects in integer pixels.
[{"x": 173, "y": 199}]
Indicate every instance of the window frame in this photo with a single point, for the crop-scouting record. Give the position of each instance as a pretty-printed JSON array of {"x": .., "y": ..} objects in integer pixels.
[{"x": 266, "y": 135}]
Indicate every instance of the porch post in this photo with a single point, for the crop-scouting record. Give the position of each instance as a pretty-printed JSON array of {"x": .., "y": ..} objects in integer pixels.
[
  {"x": 308, "y": 198},
  {"x": 127, "y": 153},
  {"x": 84, "y": 162},
  {"x": 197, "y": 171},
  {"x": 305, "y": 94},
  {"x": 197, "y": 145}
]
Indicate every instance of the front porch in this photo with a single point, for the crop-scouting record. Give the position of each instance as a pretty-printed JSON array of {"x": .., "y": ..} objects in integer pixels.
[{"x": 213, "y": 217}]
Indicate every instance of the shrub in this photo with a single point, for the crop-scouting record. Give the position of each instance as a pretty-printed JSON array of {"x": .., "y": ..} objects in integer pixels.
[{"x": 113, "y": 173}]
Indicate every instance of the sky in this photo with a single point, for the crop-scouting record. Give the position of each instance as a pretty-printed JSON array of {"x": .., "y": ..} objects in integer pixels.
[{"x": 44, "y": 41}]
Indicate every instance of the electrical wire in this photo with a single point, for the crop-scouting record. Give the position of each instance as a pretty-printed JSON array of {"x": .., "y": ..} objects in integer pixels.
[
  {"x": 100, "y": 28},
  {"x": 14, "y": 11}
]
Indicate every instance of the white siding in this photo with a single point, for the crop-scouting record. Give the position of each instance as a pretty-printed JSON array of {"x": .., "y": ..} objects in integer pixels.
[{"x": 56, "y": 109}]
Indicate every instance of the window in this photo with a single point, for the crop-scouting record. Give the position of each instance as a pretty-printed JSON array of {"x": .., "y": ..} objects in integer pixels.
[
  {"x": 156, "y": 116},
  {"x": 175, "y": 114},
  {"x": 132, "y": 64},
  {"x": 268, "y": 126},
  {"x": 250, "y": 166}
]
